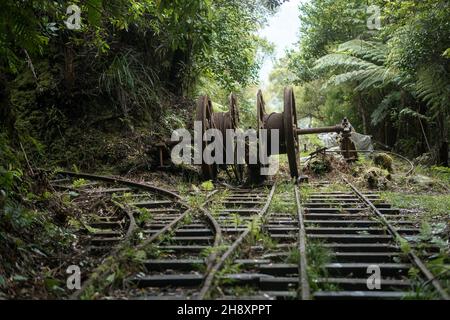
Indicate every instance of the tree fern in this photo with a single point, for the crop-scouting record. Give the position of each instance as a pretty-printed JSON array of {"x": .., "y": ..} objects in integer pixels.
[
  {"x": 389, "y": 102},
  {"x": 341, "y": 61},
  {"x": 433, "y": 87},
  {"x": 375, "y": 52},
  {"x": 347, "y": 68}
]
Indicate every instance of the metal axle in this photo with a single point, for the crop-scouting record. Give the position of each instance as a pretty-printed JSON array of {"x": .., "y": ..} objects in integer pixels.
[{"x": 337, "y": 129}]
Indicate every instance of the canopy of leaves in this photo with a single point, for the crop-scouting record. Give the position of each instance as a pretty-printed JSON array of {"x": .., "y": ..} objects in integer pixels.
[{"x": 402, "y": 68}]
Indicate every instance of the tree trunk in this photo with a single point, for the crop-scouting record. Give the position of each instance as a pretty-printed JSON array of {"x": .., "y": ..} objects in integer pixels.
[
  {"x": 7, "y": 116},
  {"x": 362, "y": 113},
  {"x": 69, "y": 67},
  {"x": 444, "y": 148}
]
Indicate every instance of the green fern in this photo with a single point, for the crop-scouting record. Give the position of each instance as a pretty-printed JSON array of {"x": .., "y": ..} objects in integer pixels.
[
  {"x": 360, "y": 62},
  {"x": 382, "y": 111},
  {"x": 433, "y": 87},
  {"x": 375, "y": 52}
]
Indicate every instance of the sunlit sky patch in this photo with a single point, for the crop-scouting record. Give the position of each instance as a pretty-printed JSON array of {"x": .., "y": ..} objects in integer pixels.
[{"x": 282, "y": 30}]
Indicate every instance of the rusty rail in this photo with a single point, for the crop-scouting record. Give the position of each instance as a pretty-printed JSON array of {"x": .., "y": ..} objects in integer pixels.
[
  {"x": 303, "y": 272},
  {"x": 413, "y": 257},
  {"x": 236, "y": 244}
]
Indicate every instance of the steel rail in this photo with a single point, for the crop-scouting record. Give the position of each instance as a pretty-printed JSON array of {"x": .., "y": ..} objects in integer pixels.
[
  {"x": 176, "y": 221},
  {"x": 303, "y": 272},
  {"x": 412, "y": 256},
  {"x": 97, "y": 274},
  {"x": 126, "y": 182},
  {"x": 211, "y": 220},
  {"x": 234, "y": 246},
  {"x": 401, "y": 157},
  {"x": 145, "y": 186},
  {"x": 217, "y": 237},
  {"x": 131, "y": 227}
]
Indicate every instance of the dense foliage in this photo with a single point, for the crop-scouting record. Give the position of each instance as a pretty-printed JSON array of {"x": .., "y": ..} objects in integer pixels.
[
  {"x": 99, "y": 93},
  {"x": 132, "y": 63},
  {"x": 392, "y": 79}
]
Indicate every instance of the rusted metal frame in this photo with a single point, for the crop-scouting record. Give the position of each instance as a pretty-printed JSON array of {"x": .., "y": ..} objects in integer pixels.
[
  {"x": 291, "y": 138},
  {"x": 212, "y": 273},
  {"x": 303, "y": 274},
  {"x": 412, "y": 256}
]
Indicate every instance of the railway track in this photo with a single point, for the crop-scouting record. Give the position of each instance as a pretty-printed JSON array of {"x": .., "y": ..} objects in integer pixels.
[
  {"x": 273, "y": 242},
  {"x": 185, "y": 241},
  {"x": 132, "y": 201},
  {"x": 181, "y": 255},
  {"x": 160, "y": 219},
  {"x": 266, "y": 265},
  {"x": 359, "y": 234}
]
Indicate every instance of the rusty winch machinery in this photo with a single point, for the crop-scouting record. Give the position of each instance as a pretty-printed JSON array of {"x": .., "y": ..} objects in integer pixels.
[
  {"x": 221, "y": 121},
  {"x": 288, "y": 132}
]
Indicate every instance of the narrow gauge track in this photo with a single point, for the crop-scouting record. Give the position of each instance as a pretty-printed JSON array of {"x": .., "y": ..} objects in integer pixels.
[
  {"x": 171, "y": 221},
  {"x": 111, "y": 229},
  {"x": 255, "y": 248},
  {"x": 182, "y": 256},
  {"x": 360, "y": 231},
  {"x": 187, "y": 240},
  {"x": 268, "y": 265}
]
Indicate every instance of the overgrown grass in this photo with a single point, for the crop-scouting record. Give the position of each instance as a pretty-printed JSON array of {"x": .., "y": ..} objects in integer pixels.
[
  {"x": 335, "y": 187},
  {"x": 318, "y": 256},
  {"x": 433, "y": 206},
  {"x": 442, "y": 174},
  {"x": 279, "y": 203}
]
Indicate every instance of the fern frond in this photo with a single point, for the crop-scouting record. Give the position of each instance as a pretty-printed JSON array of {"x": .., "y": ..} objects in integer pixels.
[
  {"x": 375, "y": 52},
  {"x": 341, "y": 60},
  {"x": 433, "y": 87},
  {"x": 389, "y": 101}
]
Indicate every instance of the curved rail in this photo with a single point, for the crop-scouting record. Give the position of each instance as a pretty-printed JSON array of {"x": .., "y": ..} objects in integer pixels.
[
  {"x": 217, "y": 236},
  {"x": 128, "y": 183},
  {"x": 205, "y": 214},
  {"x": 98, "y": 273}
]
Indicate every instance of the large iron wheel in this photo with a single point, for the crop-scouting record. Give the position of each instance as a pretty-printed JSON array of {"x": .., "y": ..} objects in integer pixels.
[
  {"x": 291, "y": 138},
  {"x": 205, "y": 116}
]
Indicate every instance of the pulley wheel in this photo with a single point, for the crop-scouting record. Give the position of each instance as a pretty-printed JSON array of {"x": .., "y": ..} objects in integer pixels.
[
  {"x": 262, "y": 117},
  {"x": 291, "y": 138},
  {"x": 238, "y": 169},
  {"x": 260, "y": 109},
  {"x": 234, "y": 111},
  {"x": 205, "y": 116}
]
